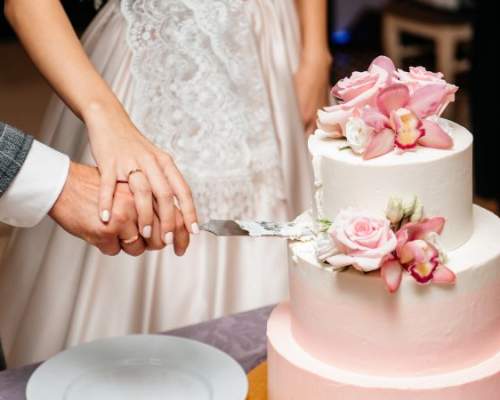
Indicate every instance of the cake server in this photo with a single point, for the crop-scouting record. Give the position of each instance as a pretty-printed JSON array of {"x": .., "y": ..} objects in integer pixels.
[{"x": 298, "y": 230}]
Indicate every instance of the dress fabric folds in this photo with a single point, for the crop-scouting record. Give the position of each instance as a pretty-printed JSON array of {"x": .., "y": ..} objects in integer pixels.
[{"x": 56, "y": 291}]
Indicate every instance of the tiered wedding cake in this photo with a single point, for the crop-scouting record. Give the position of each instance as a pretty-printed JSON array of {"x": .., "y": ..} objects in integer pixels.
[{"x": 378, "y": 310}]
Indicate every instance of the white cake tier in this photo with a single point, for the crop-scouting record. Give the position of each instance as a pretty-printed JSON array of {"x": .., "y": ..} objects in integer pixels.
[
  {"x": 348, "y": 319},
  {"x": 295, "y": 374},
  {"x": 441, "y": 178}
]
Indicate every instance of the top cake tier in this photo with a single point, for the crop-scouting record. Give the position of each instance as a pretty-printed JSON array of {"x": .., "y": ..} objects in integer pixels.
[{"x": 442, "y": 179}]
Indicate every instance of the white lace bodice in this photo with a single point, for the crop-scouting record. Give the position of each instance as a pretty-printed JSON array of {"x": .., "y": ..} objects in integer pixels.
[{"x": 200, "y": 95}]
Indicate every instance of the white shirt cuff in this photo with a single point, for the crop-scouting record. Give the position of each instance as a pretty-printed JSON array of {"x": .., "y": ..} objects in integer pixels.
[{"x": 36, "y": 187}]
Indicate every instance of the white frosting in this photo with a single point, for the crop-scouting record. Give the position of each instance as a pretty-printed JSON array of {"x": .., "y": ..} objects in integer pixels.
[
  {"x": 442, "y": 179},
  {"x": 349, "y": 319},
  {"x": 300, "y": 229}
]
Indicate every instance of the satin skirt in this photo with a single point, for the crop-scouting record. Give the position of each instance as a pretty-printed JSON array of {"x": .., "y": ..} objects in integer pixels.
[{"x": 56, "y": 291}]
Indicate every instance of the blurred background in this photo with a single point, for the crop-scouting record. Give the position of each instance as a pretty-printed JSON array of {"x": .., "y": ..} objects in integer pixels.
[{"x": 455, "y": 37}]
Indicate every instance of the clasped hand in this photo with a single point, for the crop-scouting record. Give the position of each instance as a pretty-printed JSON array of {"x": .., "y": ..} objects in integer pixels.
[
  {"x": 76, "y": 210},
  {"x": 136, "y": 199}
]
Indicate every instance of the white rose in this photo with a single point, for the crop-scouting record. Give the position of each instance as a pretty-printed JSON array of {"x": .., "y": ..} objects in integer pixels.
[{"x": 358, "y": 134}]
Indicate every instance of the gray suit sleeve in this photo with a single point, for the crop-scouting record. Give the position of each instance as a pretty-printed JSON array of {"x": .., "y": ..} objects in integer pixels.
[{"x": 14, "y": 148}]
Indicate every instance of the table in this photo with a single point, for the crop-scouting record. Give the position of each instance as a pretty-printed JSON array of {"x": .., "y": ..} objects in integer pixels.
[{"x": 242, "y": 336}]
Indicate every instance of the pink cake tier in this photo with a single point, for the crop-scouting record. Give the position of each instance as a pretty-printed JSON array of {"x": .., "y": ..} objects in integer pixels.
[
  {"x": 348, "y": 320},
  {"x": 294, "y": 374}
]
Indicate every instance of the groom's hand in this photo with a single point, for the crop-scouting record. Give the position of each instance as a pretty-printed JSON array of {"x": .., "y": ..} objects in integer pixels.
[{"x": 76, "y": 210}]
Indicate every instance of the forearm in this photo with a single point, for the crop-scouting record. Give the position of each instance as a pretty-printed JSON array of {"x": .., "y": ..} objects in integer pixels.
[
  {"x": 313, "y": 27},
  {"x": 49, "y": 39}
]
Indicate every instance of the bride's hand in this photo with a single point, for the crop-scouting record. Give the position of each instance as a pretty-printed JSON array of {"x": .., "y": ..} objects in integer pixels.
[
  {"x": 122, "y": 153},
  {"x": 312, "y": 84}
]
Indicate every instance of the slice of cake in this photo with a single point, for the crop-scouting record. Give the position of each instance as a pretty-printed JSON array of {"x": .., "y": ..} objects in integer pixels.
[{"x": 398, "y": 296}]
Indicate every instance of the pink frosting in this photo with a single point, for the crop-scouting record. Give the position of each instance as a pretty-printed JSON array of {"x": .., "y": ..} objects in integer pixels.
[
  {"x": 294, "y": 374},
  {"x": 347, "y": 319}
]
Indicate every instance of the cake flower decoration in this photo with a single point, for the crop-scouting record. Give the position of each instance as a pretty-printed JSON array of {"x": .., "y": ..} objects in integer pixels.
[
  {"x": 417, "y": 253},
  {"x": 418, "y": 249},
  {"x": 382, "y": 109},
  {"x": 359, "y": 90},
  {"x": 404, "y": 240},
  {"x": 360, "y": 240}
]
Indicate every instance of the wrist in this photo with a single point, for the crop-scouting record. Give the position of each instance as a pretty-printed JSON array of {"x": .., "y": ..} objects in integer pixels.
[
  {"x": 61, "y": 200},
  {"x": 316, "y": 54},
  {"x": 99, "y": 110},
  {"x": 85, "y": 178}
]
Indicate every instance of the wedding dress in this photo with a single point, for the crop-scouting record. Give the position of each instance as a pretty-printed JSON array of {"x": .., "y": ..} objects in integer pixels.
[{"x": 211, "y": 82}]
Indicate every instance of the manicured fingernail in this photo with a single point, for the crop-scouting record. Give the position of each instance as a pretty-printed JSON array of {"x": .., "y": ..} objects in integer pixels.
[
  {"x": 195, "y": 229},
  {"x": 169, "y": 238},
  {"x": 146, "y": 232},
  {"x": 105, "y": 216}
]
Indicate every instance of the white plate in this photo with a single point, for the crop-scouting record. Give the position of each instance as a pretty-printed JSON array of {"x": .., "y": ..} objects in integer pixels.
[{"x": 139, "y": 367}]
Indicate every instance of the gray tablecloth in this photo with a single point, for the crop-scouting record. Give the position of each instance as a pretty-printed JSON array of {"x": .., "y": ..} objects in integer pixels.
[{"x": 243, "y": 336}]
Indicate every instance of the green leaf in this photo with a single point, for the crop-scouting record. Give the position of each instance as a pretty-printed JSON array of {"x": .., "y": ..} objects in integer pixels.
[{"x": 324, "y": 224}]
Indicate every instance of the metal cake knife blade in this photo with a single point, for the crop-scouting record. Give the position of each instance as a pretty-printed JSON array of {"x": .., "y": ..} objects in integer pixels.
[{"x": 289, "y": 230}]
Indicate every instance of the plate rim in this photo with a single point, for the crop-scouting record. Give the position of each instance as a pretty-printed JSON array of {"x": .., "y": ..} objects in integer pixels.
[{"x": 29, "y": 391}]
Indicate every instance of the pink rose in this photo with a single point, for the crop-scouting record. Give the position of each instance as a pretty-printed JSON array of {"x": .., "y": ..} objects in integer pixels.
[
  {"x": 358, "y": 83},
  {"x": 360, "y": 240},
  {"x": 355, "y": 92},
  {"x": 418, "y": 77}
]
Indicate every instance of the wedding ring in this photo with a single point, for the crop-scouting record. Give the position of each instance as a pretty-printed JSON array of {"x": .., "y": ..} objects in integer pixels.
[
  {"x": 134, "y": 171},
  {"x": 131, "y": 240}
]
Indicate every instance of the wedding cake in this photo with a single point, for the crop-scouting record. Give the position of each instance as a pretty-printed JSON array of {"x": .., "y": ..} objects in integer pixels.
[{"x": 398, "y": 295}]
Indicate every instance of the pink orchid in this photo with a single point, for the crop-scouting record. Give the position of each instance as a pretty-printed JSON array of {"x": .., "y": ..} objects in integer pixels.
[
  {"x": 406, "y": 116},
  {"x": 417, "y": 255},
  {"x": 419, "y": 230},
  {"x": 420, "y": 258},
  {"x": 392, "y": 274}
]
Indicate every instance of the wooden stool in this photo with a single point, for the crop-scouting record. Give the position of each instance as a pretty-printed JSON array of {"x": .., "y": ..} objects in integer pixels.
[{"x": 446, "y": 30}]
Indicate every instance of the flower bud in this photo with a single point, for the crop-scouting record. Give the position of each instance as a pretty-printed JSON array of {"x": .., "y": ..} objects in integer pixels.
[
  {"x": 394, "y": 212},
  {"x": 409, "y": 205},
  {"x": 418, "y": 211}
]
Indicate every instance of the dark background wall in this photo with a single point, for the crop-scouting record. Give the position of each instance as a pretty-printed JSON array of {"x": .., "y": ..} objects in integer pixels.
[{"x": 81, "y": 13}]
